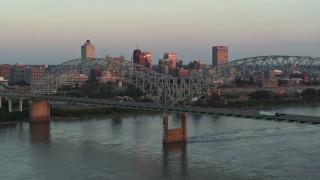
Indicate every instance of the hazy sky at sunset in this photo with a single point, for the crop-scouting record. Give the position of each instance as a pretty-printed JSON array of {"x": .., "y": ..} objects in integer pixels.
[{"x": 52, "y": 31}]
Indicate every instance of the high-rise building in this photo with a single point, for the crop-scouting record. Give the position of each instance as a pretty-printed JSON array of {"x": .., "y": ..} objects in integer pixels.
[
  {"x": 172, "y": 56},
  {"x": 136, "y": 56},
  {"x": 168, "y": 65},
  {"x": 164, "y": 66},
  {"x": 88, "y": 50},
  {"x": 146, "y": 59},
  {"x": 5, "y": 71},
  {"x": 219, "y": 55},
  {"x": 143, "y": 58}
]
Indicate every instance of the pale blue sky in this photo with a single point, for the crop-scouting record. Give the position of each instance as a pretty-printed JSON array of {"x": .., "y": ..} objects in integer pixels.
[{"x": 52, "y": 31}]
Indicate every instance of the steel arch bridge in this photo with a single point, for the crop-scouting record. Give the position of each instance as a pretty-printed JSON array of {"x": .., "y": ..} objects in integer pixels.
[
  {"x": 226, "y": 73},
  {"x": 165, "y": 90}
]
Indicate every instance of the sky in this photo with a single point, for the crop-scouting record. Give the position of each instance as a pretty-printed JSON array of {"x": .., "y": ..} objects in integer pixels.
[{"x": 52, "y": 31}]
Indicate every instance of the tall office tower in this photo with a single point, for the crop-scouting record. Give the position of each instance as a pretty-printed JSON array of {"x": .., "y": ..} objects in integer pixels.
[
  {"x": 88, "y": 50},
  {"x": 219, "y": 55},
  {"x": 164, "y": 66},
  {"x": 146, "y": 59},
  {"x": 4, "y": 71},
  {"x": 172, "y": 56},
  {"x": 143, "y": 58},
  {"x": 136, "y": 56}
]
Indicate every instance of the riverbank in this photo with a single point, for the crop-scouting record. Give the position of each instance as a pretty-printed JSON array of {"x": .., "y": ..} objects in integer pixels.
[
  {"x": 96, "y": 112},
  {"x": 73, "y": 114},
  {"x": 5, "y": 123}
]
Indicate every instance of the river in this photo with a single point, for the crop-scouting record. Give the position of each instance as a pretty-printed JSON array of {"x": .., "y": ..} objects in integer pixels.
[{"x": 130, "y": 147}]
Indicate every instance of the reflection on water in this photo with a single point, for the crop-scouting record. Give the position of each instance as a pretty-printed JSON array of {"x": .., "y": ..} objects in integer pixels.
[
  {"x": 196, "y": 116},
  {"x": 218, "y": 147},
  {"x": 173, "y": 154},
  {"x": 40, "y": 132},
  {"x": 117, "y": 120}
]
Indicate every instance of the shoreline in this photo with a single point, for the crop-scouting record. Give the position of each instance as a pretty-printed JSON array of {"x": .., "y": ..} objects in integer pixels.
[
  {"x": 76, "y": 114},
  {"x": 119, "y": 113},
  {"x": 11, "y": 122},
  {"x": 279, "y": 106}
]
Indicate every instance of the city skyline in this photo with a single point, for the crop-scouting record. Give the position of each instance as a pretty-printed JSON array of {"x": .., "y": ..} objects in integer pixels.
[{"x": 50, "y": 32}]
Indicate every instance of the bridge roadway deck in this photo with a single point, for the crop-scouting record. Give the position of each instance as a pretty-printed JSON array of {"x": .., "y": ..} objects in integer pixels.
[
  {"x": 253, "y": 114},
  {"x": 153, "y": 106}
]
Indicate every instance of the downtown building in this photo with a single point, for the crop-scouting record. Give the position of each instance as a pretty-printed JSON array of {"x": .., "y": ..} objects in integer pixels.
[
  {"x": 168, "y": 65},
  {"x": 72, "y": 77},
  {"x": 5, "y": 71},
  {"x": 17, "y": 74},
  {"x": 33, "y": 73},
  {"x": 142, "y": 58},
  {"x": 219, "y": 55},
  {"x": 111, "y": 75},
  {"x": 88, "y": 50}
]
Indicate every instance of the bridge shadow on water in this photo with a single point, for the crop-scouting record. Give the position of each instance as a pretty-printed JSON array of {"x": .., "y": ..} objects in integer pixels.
[
  {"x": 175, "y": 158},
  {"x": 116, "y": 121},
  {"x": 40, "y": 132}
]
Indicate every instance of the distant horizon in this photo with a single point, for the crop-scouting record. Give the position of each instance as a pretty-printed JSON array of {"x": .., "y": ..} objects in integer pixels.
[
  {"x": 51, "y": 32},
  {"x": 128, "y": 56},
  {"x": 156, "y": 64}
]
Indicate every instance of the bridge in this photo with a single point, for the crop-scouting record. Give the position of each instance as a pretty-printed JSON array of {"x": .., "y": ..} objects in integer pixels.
[{"x": 167, "y": 93}]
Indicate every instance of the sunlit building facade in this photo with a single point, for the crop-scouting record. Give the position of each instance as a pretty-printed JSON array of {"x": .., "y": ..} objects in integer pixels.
[
  {"x": 172, "y": 56},
  {"x": 142, "y": 58},
  {"x": 88, "y": 50},
  {"x": 168, "y": 65},
  {"x": 219, "y": 55}
]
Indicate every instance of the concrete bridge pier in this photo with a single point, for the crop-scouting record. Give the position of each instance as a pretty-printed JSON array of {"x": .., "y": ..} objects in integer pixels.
[
  {"x": 176, "y": 134},
  {"x": 20, "y": 104},
  {"x": 39, "y": 111},
  {"x": 9, "y": 105}
]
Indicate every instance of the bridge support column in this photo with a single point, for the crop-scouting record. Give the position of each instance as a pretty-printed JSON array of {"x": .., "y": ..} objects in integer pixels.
[
  {"x": 9, "y": 105},
  {"x": 176, "y": 134},
  {"x": 39, "y": 111},
  {"x": 20, "y": 105}
]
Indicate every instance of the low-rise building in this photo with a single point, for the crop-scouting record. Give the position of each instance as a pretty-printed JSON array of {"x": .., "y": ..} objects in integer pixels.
[
  {"x": 17, "y": 73},
  {"x": 5, "y": 71}
]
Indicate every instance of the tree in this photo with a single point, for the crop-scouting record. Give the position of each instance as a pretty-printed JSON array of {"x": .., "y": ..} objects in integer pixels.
[{"x": 309, "y": 94}]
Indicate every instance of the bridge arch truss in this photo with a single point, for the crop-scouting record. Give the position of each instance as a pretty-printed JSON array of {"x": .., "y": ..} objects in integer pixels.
[
  {"x": 226, "y": 73},
  {"x": 165, "y": 90}
]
